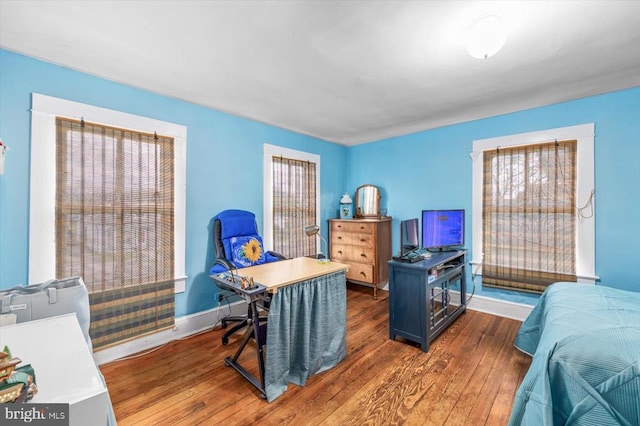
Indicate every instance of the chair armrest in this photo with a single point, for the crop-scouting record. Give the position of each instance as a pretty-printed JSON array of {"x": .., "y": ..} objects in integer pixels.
[
  {"x": 225, "y": 264},
  {"x": 277, "y": 255}
]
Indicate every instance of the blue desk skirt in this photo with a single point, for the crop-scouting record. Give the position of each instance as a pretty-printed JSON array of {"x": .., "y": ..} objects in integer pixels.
[{"x": 306, "y": 331}]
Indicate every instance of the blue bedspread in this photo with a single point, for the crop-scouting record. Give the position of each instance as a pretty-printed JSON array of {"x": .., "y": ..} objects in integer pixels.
[{"x": 585, "y": 343}]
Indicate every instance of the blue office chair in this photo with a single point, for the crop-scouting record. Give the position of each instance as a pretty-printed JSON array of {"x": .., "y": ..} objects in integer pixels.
[{"x": 237, "y": 245}]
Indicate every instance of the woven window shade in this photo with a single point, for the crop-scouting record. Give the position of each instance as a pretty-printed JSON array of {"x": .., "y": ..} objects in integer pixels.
[
  {"x": 114, "y": 223},
  {"x": 294, "y": 206},
  {"x": 529, "y": 216}
]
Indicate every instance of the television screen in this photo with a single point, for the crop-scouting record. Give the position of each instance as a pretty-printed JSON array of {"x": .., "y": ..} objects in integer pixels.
[
  {"x": 409, "y": 236},
  {"x": 442, "y": 229}
]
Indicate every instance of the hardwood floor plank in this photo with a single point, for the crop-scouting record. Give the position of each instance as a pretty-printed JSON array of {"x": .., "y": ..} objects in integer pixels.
[
  {"x": 462, "y": 372},
  {"x": 485, "y": 380},
  {"x": 457, "y": 358},
  {"x": 469, "y": 376},
  {"x": 501, "y": 407},
  {"x": 475, "y": 376}
]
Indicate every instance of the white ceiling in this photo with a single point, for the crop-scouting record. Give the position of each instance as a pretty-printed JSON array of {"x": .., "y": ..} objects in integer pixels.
[{"x": 344, "y": 71}]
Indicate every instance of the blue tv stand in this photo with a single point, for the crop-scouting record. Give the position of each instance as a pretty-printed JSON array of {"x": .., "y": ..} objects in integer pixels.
[{"x": 420, "y": 305}]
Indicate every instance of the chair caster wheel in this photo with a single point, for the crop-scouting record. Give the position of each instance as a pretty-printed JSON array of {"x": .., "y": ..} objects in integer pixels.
[
  {"x": 225, "y": 341},
  {"x": 223, "y": 324}
]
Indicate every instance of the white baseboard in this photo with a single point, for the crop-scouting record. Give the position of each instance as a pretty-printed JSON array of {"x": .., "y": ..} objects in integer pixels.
[
  {"x": 191, "y": 324},
  {"x": 184, "y": 326},
  {"x": 501, "y": 308}
]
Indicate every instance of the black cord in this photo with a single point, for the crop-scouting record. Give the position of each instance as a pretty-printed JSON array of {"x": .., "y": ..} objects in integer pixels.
[
  {"x": 473, "y": 281},
  {"x": 473, "y": 289}
]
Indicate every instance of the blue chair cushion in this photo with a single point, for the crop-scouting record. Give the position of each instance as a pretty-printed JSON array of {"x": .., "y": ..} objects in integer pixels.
[
  {"x": 235, "y": 223},
  {"x": 240, "y": 240},
  {"x": 238, "y": 225},
  {"x": 247, "y": 251}
]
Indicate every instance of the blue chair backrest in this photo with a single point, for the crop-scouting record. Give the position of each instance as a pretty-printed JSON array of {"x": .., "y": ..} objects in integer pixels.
[{"x": 237, "y": 232}]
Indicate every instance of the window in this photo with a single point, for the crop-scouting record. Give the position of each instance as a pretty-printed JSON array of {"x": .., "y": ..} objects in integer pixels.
[
  {"x": 107, "y": 204},
  {"x": 533, "y": 208},
  {"x": 290, "y": 201},
  {"x": 529, "y": 214}
]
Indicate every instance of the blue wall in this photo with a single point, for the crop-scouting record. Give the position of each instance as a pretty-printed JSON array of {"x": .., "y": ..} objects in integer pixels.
[
  {"x": 432, "y": 170},
  {"x": 224, "y": 163},
  {"x": 425, "y": 170}
]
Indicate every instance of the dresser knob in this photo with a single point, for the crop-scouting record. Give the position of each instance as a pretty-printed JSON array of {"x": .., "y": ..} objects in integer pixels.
[{"x": 363, "y": 255}]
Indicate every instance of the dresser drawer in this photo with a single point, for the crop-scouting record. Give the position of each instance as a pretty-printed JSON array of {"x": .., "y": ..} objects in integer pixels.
[
  {"x": 352, "y": 253},
  {"x": 360, "y": 272},
  {"x": 354, "y": 227},
  {"x": 360, "y": 239}
]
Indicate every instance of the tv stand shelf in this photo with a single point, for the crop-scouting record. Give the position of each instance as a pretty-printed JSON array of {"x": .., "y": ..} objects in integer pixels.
[{"x": 420, "y": 304}]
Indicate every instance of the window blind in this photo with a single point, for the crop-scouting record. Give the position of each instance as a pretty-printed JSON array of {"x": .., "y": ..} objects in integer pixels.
[
  {"x": 529, "y": 216},
  {"x": 294, "y": 206},
  {"x": 114, "y": 224}
]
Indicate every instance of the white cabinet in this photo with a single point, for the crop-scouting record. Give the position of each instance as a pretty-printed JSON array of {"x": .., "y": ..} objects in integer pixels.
[{"x": 64, "y": 367}]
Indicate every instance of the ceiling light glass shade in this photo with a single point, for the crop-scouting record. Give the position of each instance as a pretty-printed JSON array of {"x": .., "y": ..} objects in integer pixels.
[{"x": 486, "y": 37}]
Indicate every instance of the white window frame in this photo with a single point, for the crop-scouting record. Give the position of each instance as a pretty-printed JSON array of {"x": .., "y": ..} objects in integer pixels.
[
  {"x": 44, "y": 110},
  {"x": 270, "y": 151},
  {"x": 585, "y": 227}
]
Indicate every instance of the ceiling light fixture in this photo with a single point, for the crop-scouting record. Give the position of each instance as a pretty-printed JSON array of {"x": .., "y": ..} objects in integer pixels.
[{"x": 486, "y": 37}]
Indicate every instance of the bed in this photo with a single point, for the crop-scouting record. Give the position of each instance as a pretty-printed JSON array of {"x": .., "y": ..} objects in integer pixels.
[{"x": 585, "y": 344}]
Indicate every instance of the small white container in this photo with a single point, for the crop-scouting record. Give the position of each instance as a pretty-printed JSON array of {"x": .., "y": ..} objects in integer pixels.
[{"x": 346, "y": 211}]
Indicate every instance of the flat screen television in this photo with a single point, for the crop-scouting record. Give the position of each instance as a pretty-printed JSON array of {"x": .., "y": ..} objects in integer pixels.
[
  {"x": 409, "y": 236},
  {"x": 442, "y": 229}
]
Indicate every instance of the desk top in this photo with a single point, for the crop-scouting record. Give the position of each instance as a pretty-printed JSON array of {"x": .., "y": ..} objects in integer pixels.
[{"x": 273, "y": 275}]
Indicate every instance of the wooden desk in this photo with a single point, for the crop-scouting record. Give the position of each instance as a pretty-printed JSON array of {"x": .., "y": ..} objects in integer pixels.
[
  {"x": 321, "y": 286},
  {"x": 275, "y": 275}
]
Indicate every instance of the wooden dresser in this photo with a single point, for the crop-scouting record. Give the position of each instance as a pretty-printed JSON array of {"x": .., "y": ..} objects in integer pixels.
[{"x": 364, "y": 245}]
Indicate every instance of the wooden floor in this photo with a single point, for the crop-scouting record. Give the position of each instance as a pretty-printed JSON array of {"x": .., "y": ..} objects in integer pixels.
[{"x": 468, "y": 377}]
